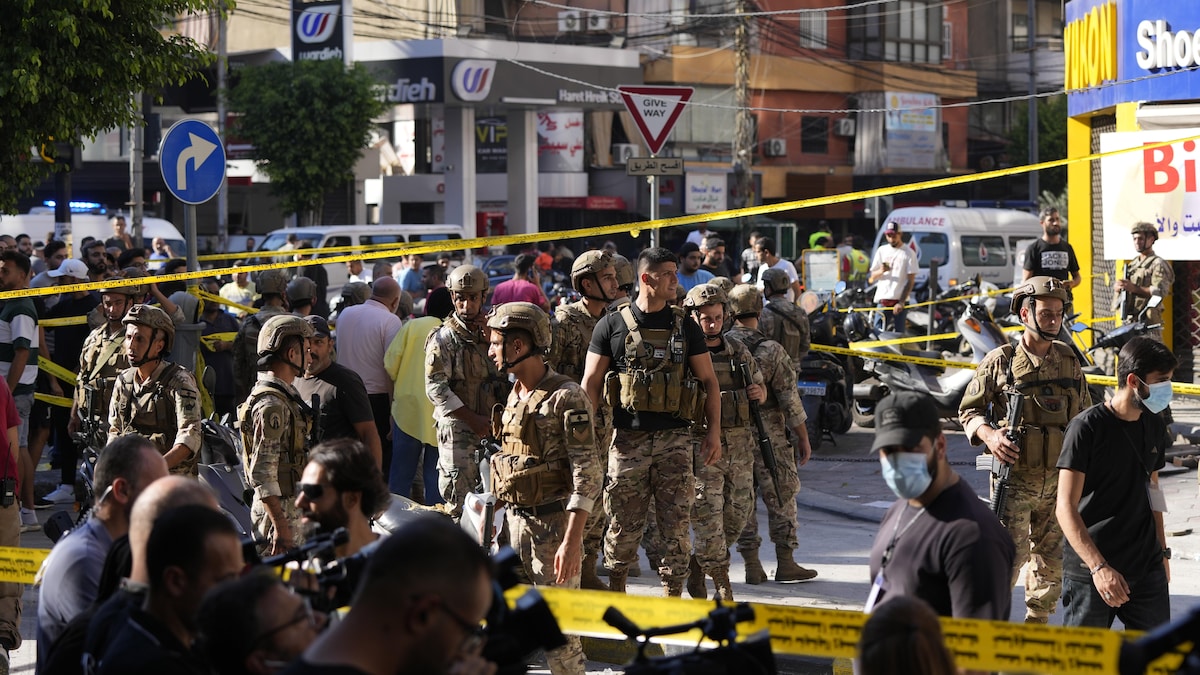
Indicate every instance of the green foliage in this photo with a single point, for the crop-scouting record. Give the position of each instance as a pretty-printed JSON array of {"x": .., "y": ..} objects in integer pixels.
[
  {"x": 1052, "y": 140},
  {"x": 308, "y": 122},
  {"x": 70, "y": 70}
]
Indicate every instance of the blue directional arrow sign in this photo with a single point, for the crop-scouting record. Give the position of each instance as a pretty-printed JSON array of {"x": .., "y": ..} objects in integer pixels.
[{"x": 192, "y": 159}]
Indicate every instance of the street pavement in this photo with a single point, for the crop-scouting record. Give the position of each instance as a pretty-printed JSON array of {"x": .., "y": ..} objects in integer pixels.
[{"x": 842, "y": 499}]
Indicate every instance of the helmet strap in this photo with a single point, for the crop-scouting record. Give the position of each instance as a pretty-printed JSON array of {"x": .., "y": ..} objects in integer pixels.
[
  {"x": 508, "y": 365},
  {"x": 144, "y": 359},
  {"x": 1032, "y": 305}
]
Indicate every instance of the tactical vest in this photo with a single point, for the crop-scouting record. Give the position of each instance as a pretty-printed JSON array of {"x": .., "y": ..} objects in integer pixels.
[
  {"x": 476, "y": 383},
  {"x": 573, "y": 332},
  {"x": 525, "y": 472},
  {"x": 1051, "y": 400},
  {"x": 787, "y": 330},
  {"x": 294, "y": 455},
  {"x": 1140, "y": 273},
  {"x": 753, "y": 340},
  {"x": 735, "y": 405},
  {"x": 152, "y": 413},
  {"x": 654, "y": 376}
]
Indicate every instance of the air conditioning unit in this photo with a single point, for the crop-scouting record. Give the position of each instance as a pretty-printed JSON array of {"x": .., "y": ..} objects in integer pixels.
[
  {"x": 844, "y": 126},
  {"x": 570, "y": 21},
  {"x": 597, "y": 22},
  {"x": 622, "y": 152},
  {"x": 775, "y": 147}
]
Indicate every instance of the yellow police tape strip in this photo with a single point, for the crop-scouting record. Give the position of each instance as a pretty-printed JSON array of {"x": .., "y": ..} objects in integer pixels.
[
  {"x": 57, "y": 370},
  {"x": 213, "y": 338},
  {"x": 809, "y": 631},
  {"x": 359, "y": 248},
  {"x": 633, "y": 229},
  {"x": 912, "y": 339},
  {"x": 209, "y": 297},
  {"x": 63, "y": 321},
  {"x": 20, "y": 565},
  {"x": 1181, "y": 388},
  {"x": 60, "y": 401}
]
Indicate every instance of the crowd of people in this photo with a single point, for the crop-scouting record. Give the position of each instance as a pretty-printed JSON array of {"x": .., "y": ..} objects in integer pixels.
[{"x": 624, "y": 420}]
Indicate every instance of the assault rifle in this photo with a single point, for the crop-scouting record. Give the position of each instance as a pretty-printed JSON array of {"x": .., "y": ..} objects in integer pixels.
[
  {"x": 93, "y": 432},
  {"x": 764, "y": 440},
  {"x": 1000, "y": 469}
]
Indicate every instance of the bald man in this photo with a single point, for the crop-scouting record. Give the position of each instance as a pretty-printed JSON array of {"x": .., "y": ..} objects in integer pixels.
[{"x": 364, "y": 333}]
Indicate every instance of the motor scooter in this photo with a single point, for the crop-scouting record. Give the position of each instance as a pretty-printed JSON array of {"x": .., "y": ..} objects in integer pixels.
[{"x": 825, "y": 380}]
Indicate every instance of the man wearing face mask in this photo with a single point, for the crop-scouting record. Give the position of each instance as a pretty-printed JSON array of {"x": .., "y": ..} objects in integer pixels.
[
  {"x": 1048, "y": 374},
  {"x": 938, "y": 542},
  {"x": 463, "y": 384},
  {"x": 1116, "y": 563}
]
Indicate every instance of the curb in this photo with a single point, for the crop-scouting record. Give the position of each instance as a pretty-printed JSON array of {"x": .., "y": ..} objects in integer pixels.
[{"x": 828, "y": 503}]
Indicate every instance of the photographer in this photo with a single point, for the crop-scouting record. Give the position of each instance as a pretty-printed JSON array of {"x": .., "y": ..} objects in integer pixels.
[
  {"x": 342, "y": 487},
  {"x": 417, "y": 610},
  {"x": 256, "y": 625}
]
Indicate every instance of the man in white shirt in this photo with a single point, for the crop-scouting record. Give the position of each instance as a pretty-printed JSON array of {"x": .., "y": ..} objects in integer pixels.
[
  {"x": 764, "y": 248},
  {"x": 895, "y": 268}
]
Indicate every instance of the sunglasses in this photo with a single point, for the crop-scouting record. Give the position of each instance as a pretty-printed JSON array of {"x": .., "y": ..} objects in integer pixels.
[{"x": 311, "y": 491}]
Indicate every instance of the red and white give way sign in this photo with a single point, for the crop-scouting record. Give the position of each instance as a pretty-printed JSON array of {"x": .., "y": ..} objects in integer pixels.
[{"x": 655, "y": 110}]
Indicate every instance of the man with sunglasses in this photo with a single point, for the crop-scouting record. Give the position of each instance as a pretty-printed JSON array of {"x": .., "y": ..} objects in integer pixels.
[
  {"x": 937, "y": 542},
  {"x": 342, "y": 486},
  {"x": 71, "y": 575},
  {"x": 417, "y": 610},
  {"x": 894, "y": 267},
  {"x": 1049, "y": 377}
]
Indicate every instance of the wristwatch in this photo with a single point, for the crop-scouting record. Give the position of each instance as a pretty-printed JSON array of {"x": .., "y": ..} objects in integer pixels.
[{"x": 1166, "y": 554}]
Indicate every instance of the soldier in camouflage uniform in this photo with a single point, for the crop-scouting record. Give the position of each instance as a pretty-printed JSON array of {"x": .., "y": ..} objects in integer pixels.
[
  {"x": 781, "y": 411},
  {"x": 783, "y": 321},
  {"x": 275, "y": 426},
  {"x": 463, "y": 384},
  {"x": 1047, "y": 372},
  {"x": 649, "y": 362},
  {"x": 594, "y": 277},
  {"x": 272, "y": 284},
  {"x": 626, "y": 277},
  {"x": 547, "y": 470},
  {"x": 725, "y": 489},
  {"x": 154, "y": 397},
  {"x": 100, "y": 362},
  {"x": 1145, "y": 276}
]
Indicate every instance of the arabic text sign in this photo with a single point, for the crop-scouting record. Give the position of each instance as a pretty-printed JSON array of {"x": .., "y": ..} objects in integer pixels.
[
  {"x": 560, "y": 142},
  {"x": 1156, "y": 186},
  {"x": 654, "y": 166},
  {"x": 706, "y": 192}
]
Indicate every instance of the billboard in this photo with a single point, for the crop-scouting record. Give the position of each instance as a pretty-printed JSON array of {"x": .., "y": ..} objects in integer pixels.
[
  {"x": 1158, "y": 186},
  {"x": 321, "y": 30}
]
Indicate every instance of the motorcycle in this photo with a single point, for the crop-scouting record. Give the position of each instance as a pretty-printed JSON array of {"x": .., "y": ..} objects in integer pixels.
[
  {"x": 977, "y": 328},
  {"x": 825, "y": 380},
  {"x": 1112, "y": 340}
]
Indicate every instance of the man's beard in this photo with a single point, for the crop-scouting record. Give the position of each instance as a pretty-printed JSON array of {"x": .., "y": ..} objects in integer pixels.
[{"x": 328, "y": 522}]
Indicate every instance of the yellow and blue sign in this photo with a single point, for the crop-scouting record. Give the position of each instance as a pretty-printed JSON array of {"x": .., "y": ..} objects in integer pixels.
[{"x": 1119, "y": 51}]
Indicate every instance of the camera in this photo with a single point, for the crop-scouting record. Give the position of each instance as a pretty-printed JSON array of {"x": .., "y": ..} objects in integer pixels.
[
  {"x": 753, "y": 655},
  {"x": 515, "y": 634}
]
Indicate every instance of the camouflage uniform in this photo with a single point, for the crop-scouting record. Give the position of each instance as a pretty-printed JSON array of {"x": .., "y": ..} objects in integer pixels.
[
  {"x": 537, "y": 516},
  {"x": 165, "y": 409},
  {"x": 1055, "y": 392},
  {"x": 275, "y": 427},
  {"x": 101, "y": 361},
  {"x": 781, "y": 411},
  {"x": 1150, "y": 272},
  {"x": 725, "y": 490},
  {"x": 458, "y": 372},
  {"x": 786, "y": 324},
  {"x": 245, "y": 349}
]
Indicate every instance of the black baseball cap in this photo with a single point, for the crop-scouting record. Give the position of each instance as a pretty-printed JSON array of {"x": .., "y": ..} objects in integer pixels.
[
  {"x": 319, "y": 325},
  {"x": 904, "y": 418}
]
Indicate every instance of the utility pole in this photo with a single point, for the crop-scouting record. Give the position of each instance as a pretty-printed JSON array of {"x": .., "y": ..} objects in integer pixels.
[
  {"x": 222, "y": 66},
  {"x": 743, "y": 153},
  {"x": 1031, "y": 38},
  {"x": 137, "y": 139}
]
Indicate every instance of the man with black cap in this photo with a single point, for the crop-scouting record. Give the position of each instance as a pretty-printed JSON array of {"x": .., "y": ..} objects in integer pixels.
[
  {"x": 345, "y": 407},
  {"x": 938, "y": 542}
]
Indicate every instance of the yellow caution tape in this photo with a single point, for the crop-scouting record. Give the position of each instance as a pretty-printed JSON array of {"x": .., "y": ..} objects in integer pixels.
[
  {"x": 903, "y": 341},
  {"x": 60, "y": 401},
  {"x": 209, "y": 297},
  {"x": 828, "y": 633},
  {"x": 360, "y": 248},
  {"x": 63, "y": 321},
  {"x": 633, "y": 229},
  {"x": 56, "y": 370},
  {"x": 213, "y": 338},
  {"x": 20, "y": 565}
]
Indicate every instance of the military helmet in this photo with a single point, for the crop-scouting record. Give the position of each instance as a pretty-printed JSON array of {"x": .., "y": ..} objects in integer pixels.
[
  {"x": 153, "y": 318},
  {"x": 776, "y": 280},
  {"x": 724, "y": 283},
  {"x": 591, "y": 262},
  {"x": 625, "y": 275},
  {"x": 301, "y": 289},
  {"x": 279, "y": 328},
  {"x": 705, "y": 294},
  {"x": 525, "y": 316},
  {"x": 135, "y": 290},
  {"x": 355, "y": 293},
  {"x": 467, "y": 279},
  {"x": 1040, "y": 287},
  {"x": 1145, "y": 228},
  {"x": 745, "y": 300},
  {"x": 271, "y": 281}
]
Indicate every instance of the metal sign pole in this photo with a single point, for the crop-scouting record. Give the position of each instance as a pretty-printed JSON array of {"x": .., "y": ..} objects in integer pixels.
[
  {"x": 653, "y": 181},
  {"x": 189, "y": 230}
]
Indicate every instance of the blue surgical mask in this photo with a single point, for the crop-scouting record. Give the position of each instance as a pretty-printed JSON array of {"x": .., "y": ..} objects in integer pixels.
[
  {"x": 1158, "y": 398},
  {"x": 906, "y": 473}
]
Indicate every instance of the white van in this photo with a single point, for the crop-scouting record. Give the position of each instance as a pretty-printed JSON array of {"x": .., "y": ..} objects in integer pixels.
[
  {"x": 40, "y": 227},
  {"x": 966, "y": 242},
  {"x": 328, "y": 236}
]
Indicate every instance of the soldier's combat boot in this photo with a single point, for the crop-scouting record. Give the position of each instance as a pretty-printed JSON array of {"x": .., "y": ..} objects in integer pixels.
[
  {"x": 695, "y": 583},
  {"x": 616, "y": 582},
  {"x": 724, "y": 587},
  {"x": 789, "y": 572},
  {"x": 587, "y": 576},
  {"x": 755, "y": 574}
]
